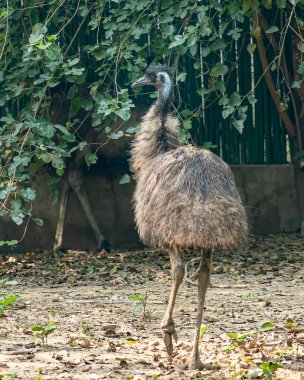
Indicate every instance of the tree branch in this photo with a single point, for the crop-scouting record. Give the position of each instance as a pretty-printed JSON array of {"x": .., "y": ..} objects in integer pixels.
[
  {"x": 272, "y": 89},
  {"x": 283, "y": 65}
]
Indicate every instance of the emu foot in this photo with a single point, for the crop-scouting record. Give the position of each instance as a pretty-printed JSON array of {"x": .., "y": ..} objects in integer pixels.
[
  {"x": 58, "y": 250},
  {"x": 194, "y": 362},
  {"x": 169, "y": 332}
]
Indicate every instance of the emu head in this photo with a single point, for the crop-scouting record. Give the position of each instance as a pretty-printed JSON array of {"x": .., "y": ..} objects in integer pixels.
[{"x": 157, "y": 76}]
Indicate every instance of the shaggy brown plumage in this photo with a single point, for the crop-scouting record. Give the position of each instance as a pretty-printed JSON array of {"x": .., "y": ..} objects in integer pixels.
[{"x": 185, "y": 197}]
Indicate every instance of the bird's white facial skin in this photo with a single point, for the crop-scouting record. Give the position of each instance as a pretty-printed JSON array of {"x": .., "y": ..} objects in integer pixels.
[{"x": 165, "y": 84}]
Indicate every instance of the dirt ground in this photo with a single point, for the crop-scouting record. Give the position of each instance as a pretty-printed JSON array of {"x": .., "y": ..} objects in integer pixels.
[{"x": 100, "y": 332}]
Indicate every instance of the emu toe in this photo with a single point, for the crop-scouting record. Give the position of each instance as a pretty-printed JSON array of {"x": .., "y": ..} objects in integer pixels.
[
  {"x": 169, "y": 332},
  {"x": 194, "y": 362},
  {"x": 58, "y": 250}
]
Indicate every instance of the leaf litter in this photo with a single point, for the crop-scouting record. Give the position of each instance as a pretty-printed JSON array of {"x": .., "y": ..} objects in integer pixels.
[{"x": 107, "y": 309}]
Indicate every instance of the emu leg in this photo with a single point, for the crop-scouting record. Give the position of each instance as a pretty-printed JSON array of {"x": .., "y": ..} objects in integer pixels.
[
  {"x": 76, "y": 182},
  {"x": 65, "y": 192},
  {"x": 178, "y": 271},
  {"x": 193, "y": 361}
]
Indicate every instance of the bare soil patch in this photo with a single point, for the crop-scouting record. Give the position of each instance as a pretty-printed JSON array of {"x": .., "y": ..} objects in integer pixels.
[{"x": 100, "y": 332}]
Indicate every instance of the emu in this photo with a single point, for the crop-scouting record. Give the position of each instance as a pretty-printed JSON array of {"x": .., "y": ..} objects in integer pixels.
[{"x": 185, "y": 198}]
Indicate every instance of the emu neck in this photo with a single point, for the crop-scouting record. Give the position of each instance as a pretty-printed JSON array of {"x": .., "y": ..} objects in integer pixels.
[
  {"x": 162, "y": 105},
  {"x": 158, "y": 134}
]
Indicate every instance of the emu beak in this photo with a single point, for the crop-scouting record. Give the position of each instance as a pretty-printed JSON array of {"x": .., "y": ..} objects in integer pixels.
[{"x": 143, "y": 81}]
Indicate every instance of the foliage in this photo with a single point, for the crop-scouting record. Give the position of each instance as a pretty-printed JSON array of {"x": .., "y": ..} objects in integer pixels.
[
  {"x": 268, "y": 369},
  {"x": 7, "y": 297},
  {"x": 66, "y": 64},
  {"x": 204, "y": 329},
  {"x": 266, "y": 326},
  {"x": 142, "y": 300},
  {"x": 240, "y": 337},
  {"x": 8, "y": 243},
  {"x": 43, "y": 331},
  {"x": 11, "y": 375}
]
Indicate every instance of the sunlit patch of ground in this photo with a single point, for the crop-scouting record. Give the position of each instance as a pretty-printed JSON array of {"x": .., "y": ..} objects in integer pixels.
[{"x": 100, "y": 332}]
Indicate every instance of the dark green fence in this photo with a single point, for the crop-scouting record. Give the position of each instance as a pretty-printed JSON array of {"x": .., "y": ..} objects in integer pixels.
[{"x": 264, "y": 139}]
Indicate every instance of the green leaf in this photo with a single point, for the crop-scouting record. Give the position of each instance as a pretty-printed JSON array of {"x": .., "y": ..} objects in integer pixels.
[
  {"x": 227, "y": 111},
  {"x": 90, "y": 158},
  {"x": 219, "y": 69},
  {"x": 301, "y": 47},
  {"x": 132, "y": 130},
  {"x": 246, "y": 5},
  {"x": 123, "y": 113},
  {"x": 246, "y": 335},
  {"x": 233, "y": 335},
  {"x": 187, "y": 124},
  {"x": 238, "y": 124},
  {"x": 272, "y": 29},
  {"x": 126, "y": 178},
  {"x": 70, "y": 137},
  {"x": 8, "y": 242},
  {"x": 75, "y": 106},
  {"x": 38, "y": 221},
  {"x": 115, "y": 135},
  {"x": 301, "y": 69},
  {"x": 45, "y": 129},
  {"x": 35, "y": 38},
  {"x": 72, "y": 92},
  {"x": 46, "y": 157},
  {"x": 18, "y": 218},
  {"x": 235, "y": 99},
  {"x": 8, "y": 282},
  {"x": 267, "y": 326},
  {"x": 62, "y": 129},
  {"x": 191, "y": 41},
  {"x": 218, "y": 44},
  {"x": 28, "y": 194},
  {"x": 54, "y": 53},
  {"x": 251, "y": 99},
  {"x": 268, "y": 368},
  {"x": 52, "y": 37},
  {"x": 251, "y": 48},
  {"x": 58, "y": 162},
  {"x": 281, "y": 3},
  {"x": 179, "y": 40},
  {"x": 203, "y": 330},
  {"x": 60, "y": 172},
  {"x": 37, "y": 328},
  {"x": 296, "y": 84},
  {"x": 181, "y": 77},
  {"x": 37, "y": 27}
]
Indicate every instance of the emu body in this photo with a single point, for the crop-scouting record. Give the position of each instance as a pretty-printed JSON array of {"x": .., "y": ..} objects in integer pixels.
[{"x": 185, "y": 197}]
